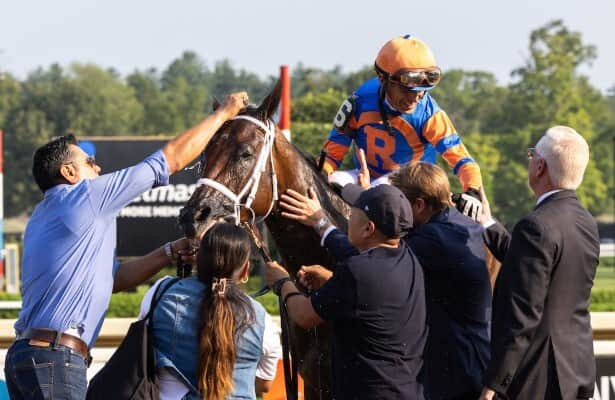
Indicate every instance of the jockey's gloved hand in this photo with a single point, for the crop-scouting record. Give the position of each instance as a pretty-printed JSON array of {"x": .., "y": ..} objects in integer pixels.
[{"x": 469, "y": 203}]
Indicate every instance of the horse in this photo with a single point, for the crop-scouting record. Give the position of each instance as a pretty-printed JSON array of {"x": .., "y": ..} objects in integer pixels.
[{"x": 243, "y": 168}]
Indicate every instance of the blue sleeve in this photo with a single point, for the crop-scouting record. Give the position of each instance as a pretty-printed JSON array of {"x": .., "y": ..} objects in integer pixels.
[
  {"x": 109, "y": 193},
  {"x": 338, "y": 246},
  {"x": 336, "y": 299}
]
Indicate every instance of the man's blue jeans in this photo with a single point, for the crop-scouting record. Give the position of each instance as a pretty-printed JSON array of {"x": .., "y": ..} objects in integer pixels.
[{"x": 34, "y": 372}]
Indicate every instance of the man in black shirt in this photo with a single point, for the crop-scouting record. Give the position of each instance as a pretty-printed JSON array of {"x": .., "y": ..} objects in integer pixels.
[{"x": 375, "y": 300}]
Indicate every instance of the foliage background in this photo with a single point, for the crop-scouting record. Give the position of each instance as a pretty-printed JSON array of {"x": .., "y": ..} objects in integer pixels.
[{"x": 497, "y": 122}]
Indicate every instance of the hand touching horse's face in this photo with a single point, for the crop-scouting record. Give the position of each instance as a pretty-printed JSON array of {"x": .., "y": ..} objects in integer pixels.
[{"x": 230, "y": 159}]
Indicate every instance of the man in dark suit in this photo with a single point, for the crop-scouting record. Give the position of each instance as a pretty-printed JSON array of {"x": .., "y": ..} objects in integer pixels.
[
  {"x": 541, "y": 338},
  {"x": 450, "y": 248}
]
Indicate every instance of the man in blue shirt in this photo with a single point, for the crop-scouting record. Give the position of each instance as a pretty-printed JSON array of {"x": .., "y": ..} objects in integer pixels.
[{"x": 69, "y": 266}]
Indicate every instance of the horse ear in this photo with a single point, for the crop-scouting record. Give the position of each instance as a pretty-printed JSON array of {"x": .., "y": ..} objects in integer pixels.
[
  {"x": 269, "y": 106},
  {"x": 216, "y": 103}
]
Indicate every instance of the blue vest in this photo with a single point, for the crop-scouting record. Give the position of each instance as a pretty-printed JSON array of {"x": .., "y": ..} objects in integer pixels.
[{"x": 176, "y": 330}]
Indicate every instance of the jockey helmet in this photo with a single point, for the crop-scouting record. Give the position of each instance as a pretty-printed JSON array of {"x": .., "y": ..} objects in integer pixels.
[{"x": 408, "y": 62}]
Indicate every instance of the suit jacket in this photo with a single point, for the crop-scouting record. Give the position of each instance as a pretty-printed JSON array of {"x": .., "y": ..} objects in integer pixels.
[
  {"x": 451, "y": 251},
  {"x": 541, "y": 339}
]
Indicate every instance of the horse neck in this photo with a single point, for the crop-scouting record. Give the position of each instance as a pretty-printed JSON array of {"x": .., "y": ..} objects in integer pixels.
[{"x": 299, "y": 245}]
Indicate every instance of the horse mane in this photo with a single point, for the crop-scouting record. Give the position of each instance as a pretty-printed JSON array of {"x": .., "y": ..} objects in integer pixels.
[
  {"x": 311, "y": 161},
  {"x": 331, "y": 192}
]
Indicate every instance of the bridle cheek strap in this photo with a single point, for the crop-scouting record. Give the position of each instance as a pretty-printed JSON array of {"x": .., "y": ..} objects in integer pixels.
[{"x": 251, "y": 186}]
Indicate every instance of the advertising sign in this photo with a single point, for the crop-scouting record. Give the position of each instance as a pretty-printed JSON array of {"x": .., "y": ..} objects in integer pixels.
[{"x": 605, "y": 378}]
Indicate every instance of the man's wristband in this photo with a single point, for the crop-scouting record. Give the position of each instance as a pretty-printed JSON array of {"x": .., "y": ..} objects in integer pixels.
[
  {"x": 289, "y": 295},
  {"x": 277, "y": 285},
  {"x": 168, "y": 250},
  {"x": 321, "y": 225}
]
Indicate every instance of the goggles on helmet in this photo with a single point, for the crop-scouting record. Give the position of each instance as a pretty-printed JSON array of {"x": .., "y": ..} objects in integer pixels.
[{"x": 423, "y": 79}]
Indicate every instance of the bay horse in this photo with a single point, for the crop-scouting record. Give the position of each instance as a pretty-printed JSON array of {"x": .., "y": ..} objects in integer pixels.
[{"x": 243, "y": 168}]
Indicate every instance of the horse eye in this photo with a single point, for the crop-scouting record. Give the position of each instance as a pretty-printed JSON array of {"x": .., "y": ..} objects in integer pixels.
[{"x": 244, "y": 152}]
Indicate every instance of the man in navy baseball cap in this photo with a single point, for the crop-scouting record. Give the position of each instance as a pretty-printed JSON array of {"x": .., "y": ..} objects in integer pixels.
[
  {"x": 385, "y": 205},
  {"x": 375, "y": 297}
]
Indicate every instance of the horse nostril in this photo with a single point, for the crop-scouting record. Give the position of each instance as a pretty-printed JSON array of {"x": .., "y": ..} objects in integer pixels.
[{"x": 203, "y": 214}]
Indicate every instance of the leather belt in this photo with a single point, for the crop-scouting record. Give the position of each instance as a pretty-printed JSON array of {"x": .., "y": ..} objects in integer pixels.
[{"x": 57, "y": 338}]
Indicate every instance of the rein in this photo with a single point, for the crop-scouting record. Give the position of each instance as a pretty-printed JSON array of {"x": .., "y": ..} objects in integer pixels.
[
  {"x": 289, "y": 355},
  {"x": 262, "y": 250},
  {"x": 290, "y": 358},
  {"x": 251, "y": 186}
]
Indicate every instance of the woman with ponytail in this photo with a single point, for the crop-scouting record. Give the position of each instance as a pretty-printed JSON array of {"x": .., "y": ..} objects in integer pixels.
[{"x": 212, "y": 341}]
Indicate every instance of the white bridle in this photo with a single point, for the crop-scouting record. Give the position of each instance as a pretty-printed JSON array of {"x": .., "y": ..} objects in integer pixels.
[{"x": 252, "y": 185}]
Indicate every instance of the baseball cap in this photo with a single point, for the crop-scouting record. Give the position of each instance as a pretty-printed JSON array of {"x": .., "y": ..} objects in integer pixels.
[
  {"x": 385, "y": 205},
  {"x": 88, "y": 147}
]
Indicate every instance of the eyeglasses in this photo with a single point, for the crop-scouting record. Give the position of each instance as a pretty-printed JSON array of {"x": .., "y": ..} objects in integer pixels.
[
  {"x": 90, "y": 160},
  {"x": 531, "y": 153},
  {"x": 414, "y": 78}
]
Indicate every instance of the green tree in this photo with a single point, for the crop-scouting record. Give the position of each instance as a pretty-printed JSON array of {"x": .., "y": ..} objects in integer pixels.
[
  {"x": 309, "y": 136},
  {"x": 185, "y": 96},
  {"x": 469, "y": 98},
  {"x": 550, "y": 91},
  {"x": 10, "y": 92},
  {"x": 306, "y": 80},
  {"x": 25, "y": 130},
  {"x": 355, "y": 79},
  {"x": 225, "y": 79},
  {"x": 156, "y": 116},
  {"x": 317, "y": 107},
  {"x": 188, "y": 67},
  {"x": 93, "y": 101},
  {"x": 86, "y": 100},
  {"x": 183, "y": 105}
]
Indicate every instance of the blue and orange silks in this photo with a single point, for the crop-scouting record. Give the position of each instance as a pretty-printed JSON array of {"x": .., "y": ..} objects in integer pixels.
[{"x": 416, "y": 137}]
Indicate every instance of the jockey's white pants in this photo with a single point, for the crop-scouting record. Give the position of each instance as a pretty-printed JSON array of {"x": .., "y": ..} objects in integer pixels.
[{"x": 343, "y": 178}]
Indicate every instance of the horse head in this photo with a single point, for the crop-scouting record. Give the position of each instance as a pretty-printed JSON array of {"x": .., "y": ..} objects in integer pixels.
[
  {"x": 237, "y": 178},
  {"x": 242, "y": 170}
]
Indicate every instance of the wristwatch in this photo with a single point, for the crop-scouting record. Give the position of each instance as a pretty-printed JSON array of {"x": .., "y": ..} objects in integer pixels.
[
  {"x": 321, "y": 224},
  {"x": 277, "y": 285}
]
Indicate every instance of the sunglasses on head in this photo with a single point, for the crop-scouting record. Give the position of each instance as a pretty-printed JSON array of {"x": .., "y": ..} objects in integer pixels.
[{"x": 414, "y": 78}]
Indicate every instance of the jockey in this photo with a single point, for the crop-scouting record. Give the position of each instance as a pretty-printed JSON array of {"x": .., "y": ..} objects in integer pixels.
[{"x": 395, "y": 120}]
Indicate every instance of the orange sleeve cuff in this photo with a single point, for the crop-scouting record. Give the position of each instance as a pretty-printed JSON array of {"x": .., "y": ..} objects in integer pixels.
[{"x": 469, "y": 176}]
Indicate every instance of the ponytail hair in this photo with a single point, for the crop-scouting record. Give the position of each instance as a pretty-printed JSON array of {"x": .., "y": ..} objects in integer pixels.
[{"x": 225, "y": 311}]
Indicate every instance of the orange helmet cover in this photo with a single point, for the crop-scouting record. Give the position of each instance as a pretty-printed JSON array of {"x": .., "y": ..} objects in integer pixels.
[{"x": 404, "y": 53}]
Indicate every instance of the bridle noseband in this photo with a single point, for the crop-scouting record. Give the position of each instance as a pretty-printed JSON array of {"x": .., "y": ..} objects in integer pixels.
[{"x": 252, "y": 185}]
